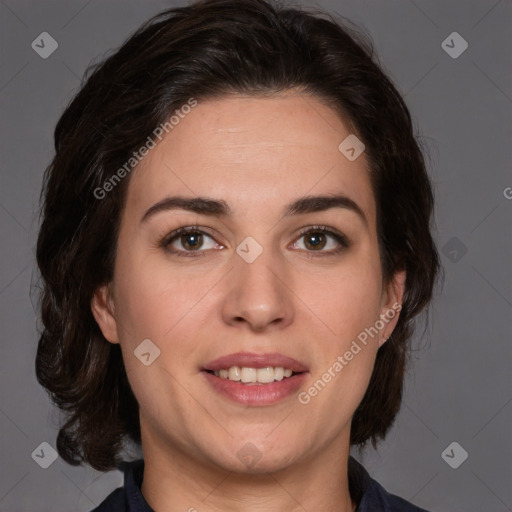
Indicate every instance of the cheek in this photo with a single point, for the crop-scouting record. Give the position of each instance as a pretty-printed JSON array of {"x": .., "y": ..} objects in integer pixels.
[
  {"x": 151, "y": 304},
  {"x": 150, "y": 300},
  {"x": 345, "y": 301}
]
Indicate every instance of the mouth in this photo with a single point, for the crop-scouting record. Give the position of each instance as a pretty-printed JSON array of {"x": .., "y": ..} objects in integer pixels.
[
  {"x": 254, "y": 376},
  {"x": 255, "y": 379}
]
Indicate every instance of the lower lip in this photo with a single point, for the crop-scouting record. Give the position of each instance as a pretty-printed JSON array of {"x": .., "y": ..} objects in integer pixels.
[{"x": 263, "y": 394}]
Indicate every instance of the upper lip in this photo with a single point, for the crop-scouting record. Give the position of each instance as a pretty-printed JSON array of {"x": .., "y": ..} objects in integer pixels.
[{"x": 250, "y": 360}]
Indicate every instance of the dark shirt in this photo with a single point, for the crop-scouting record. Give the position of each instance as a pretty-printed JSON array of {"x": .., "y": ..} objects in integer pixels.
[{"x": 366, "y": 491}]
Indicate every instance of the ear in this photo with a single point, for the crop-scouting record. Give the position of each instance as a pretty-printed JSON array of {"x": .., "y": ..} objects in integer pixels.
[
  {"x": 391, "y": 305},
  {"x": 102, "y": 308}
]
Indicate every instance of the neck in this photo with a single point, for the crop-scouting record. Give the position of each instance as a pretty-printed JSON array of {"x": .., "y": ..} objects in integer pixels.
[{"x": 176, "y": 481}]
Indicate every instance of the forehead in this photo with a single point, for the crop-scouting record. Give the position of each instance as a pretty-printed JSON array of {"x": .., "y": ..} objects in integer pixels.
[{"x": 256, "y": 153}]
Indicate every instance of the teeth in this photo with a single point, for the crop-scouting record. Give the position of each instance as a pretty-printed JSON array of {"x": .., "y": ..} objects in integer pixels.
[
  {"x": 254, "y": 375},
  {"x": 233, "y": 373},
  {"x": 279, "y": 373},
  {"x": 249, "y": 375},
  {"x": 265, "y": 375}
]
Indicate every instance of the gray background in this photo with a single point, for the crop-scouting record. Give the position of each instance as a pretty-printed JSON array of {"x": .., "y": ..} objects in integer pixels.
[{"x": 458, "y": 388}]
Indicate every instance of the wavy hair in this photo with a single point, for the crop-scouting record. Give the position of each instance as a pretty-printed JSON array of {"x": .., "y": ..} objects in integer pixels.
[{"x": 210, "y": 49}]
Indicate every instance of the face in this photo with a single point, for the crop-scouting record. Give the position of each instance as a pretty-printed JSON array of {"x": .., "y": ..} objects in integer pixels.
[{"x": 258, "y": 278}]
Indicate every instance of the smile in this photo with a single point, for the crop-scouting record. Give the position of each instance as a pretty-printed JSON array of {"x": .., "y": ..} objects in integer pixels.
[
  {"x": 255, "y": 379},
  {"x": 254, "y": 375}
]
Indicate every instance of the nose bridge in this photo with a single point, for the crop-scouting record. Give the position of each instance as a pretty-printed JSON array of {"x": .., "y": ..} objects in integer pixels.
[{"x": 258, "y": 294}]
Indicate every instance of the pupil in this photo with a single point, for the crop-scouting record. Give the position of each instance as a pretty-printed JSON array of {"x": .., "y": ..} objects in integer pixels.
[
  {"x": 191, "y": 240},
  {"x": 315, "y": 239}
]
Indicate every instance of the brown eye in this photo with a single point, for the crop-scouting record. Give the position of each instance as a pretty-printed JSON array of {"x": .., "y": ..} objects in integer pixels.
[
  {"x": 322, "y": 240},
  {"x": 191, "y": 241},
  {"x": 315, "y": 240}
]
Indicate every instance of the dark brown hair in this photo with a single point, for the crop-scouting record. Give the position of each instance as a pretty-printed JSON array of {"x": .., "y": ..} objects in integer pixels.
[{"x": 210, "y": 49}]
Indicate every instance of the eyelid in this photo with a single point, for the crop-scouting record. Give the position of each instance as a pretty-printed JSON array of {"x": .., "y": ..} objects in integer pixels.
[
  {"x": 334, "y": 233},
  {"x": 342, "y": 240},
  {"x": 167, "y": 239}
]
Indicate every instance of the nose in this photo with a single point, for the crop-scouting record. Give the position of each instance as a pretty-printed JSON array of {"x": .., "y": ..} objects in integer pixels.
[{"x": 259, "y": 295}]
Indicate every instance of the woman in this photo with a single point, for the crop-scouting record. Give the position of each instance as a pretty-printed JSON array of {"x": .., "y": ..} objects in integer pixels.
[{"x": 235, "y": 242}]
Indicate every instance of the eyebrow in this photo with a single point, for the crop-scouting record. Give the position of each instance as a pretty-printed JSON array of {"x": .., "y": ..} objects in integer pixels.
[{"x": 219, "y": 208}]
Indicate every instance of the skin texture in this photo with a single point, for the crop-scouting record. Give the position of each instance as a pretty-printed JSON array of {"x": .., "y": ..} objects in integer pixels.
[{"x": 257, "y": 154}]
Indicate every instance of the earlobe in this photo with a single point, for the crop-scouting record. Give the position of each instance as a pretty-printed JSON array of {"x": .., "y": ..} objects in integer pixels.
[
  {"x": 102, "y": 308},
  {"x": 393, "y": 305}
]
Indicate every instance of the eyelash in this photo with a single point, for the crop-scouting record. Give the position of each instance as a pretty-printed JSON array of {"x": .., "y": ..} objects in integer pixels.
[{"x": 340, "y": 238}]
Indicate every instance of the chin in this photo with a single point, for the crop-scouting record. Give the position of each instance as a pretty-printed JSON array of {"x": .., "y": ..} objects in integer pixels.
[{"x": 258, "y": 457}]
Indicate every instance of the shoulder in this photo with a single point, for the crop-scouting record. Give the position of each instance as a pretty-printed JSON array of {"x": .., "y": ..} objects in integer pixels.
[
  {"x": 114, "y": 502},
  {"x": 128, "y": 498},
  {"x": 378, "y": 499},
  {"x": 372, "y": 497}
]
